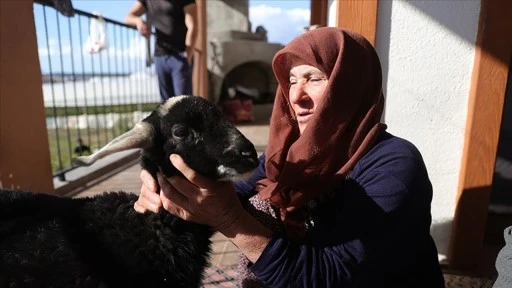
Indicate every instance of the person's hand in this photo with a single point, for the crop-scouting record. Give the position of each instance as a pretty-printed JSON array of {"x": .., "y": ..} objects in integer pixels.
[
  {"x": 198, "y": 199},
  {"x": 189, "y": 54},
  {"x": 148, "y": 198},
  {"x": 143, "y": 29}
]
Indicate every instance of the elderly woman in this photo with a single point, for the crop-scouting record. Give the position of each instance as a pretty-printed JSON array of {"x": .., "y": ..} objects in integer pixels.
[{"x": 337, "y": 201}]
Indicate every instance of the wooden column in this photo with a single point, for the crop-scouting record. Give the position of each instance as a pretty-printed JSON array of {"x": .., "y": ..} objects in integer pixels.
[
  {"x": 318, "y": 13},
  {"x": 358, "y": 16},
  {"x": 24, "y": 150},
  {"x": 486, "y": 100},
  {"x": 200, "y": 73}
]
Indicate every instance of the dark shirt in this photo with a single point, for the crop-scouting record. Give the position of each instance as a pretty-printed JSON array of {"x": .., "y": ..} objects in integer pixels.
[
  {"x": 375, "y": 232},
  {"x": 168, "y": 17}
]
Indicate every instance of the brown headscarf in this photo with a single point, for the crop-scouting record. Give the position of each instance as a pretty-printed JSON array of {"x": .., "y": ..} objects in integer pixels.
[{"x": 344, "y": 125}]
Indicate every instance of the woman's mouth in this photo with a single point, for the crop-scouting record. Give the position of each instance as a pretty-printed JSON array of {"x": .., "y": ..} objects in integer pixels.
[{"x": 304, "y": 117}]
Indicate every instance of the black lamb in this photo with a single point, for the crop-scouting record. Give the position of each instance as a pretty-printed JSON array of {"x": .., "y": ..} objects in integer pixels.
[{"x": 50, "y": 241}]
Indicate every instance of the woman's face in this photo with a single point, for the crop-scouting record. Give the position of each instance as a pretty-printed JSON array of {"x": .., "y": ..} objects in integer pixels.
[{"x": 307, "y": 86}]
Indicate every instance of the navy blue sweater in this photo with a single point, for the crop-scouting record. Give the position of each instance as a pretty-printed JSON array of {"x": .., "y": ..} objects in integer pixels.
[{"x": 374, "y": 233}]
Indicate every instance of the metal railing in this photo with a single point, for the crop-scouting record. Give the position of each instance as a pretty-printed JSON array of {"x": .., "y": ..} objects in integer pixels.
[{"x": 90, "y": 98}]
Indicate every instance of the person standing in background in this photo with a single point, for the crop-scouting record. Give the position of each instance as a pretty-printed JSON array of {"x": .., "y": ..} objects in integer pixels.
[{"x": 175, "y": 23}]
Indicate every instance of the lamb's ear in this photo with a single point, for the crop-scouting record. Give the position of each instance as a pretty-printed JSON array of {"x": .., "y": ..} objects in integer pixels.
[{"x": 141, "y": 136}]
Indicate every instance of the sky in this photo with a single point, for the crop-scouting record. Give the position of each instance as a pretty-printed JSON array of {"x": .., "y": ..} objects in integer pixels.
[{"x": 283, "y": 19}]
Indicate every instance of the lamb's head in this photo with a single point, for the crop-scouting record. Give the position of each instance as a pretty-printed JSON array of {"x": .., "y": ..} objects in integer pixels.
[
  {"x": 196, "y": 130},
  {"x": 193, "y": 128}
]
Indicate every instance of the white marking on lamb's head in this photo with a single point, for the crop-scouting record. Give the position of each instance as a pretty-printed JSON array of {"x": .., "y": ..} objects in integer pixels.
[
  {"x": 195, "y": 129},
  {"x": 231, "y": 174},
  {"x": 165, "y": 107}
]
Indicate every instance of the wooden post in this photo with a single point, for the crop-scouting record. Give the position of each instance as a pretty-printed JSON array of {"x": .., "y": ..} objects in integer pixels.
[
  {"x": 486, "y": 100},
  {"x": 318, "y": 13},
  {"x": 358, "y": 16},
  {"x": 24, "y": 149},
  {"x": 200, "y": 73}
]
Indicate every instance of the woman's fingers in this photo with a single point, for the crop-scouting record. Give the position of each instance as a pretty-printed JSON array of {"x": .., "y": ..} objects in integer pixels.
[
  {"x": 143, "y": 204},
  {"x": 175, "y": 209},
  {"x": 148, "y": 198},
  {"x": 149, "y": 187},
  {"x": 170, "y": 196},
  {"x": 139, "y": 208},
  {"x": 148, "y": 181}
]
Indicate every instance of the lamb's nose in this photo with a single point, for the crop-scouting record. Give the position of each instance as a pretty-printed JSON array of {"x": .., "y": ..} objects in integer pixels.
[{"x": 247, "y": 150}]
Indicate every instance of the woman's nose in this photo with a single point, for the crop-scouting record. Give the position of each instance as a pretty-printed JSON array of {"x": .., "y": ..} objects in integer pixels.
[{"x": 298, "y": 92}]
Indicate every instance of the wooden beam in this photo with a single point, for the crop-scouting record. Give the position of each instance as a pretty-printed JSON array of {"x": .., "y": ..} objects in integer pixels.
[
  {"x": 24, "y": 150},
  {"x": 358, "y": 16},
  {"x": 486, "y": 100},
  {"x": 200, "y": 72},
  {"x": 318, "y": 13}
]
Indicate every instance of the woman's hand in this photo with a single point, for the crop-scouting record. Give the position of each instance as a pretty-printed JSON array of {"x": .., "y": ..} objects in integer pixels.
[
  {"x": 193, "y": 197},
  {"x": 198, "y": 199},
  {"x": 201, "y": 200}
]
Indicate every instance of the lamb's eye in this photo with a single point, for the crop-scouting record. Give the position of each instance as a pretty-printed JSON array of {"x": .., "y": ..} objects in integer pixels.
[{"x": 179, "y": 131}]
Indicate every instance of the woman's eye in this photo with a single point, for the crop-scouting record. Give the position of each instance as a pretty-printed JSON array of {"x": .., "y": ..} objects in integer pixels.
[
  {"x": 179, "y": 132},
  {"x": 316, "y": 81}
]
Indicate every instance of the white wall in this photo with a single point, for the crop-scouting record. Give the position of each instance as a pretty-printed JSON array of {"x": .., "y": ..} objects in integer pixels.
[
  {"x": 427, "y": 52},
  {"x": 332, "y": 12}
]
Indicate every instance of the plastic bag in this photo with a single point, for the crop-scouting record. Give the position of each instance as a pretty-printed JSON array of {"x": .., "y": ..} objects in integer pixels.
[{"x": 97, "y": 40}]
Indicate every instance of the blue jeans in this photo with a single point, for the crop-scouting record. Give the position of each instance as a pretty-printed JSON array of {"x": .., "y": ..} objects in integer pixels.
[{"x": 174, "y": 75}]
